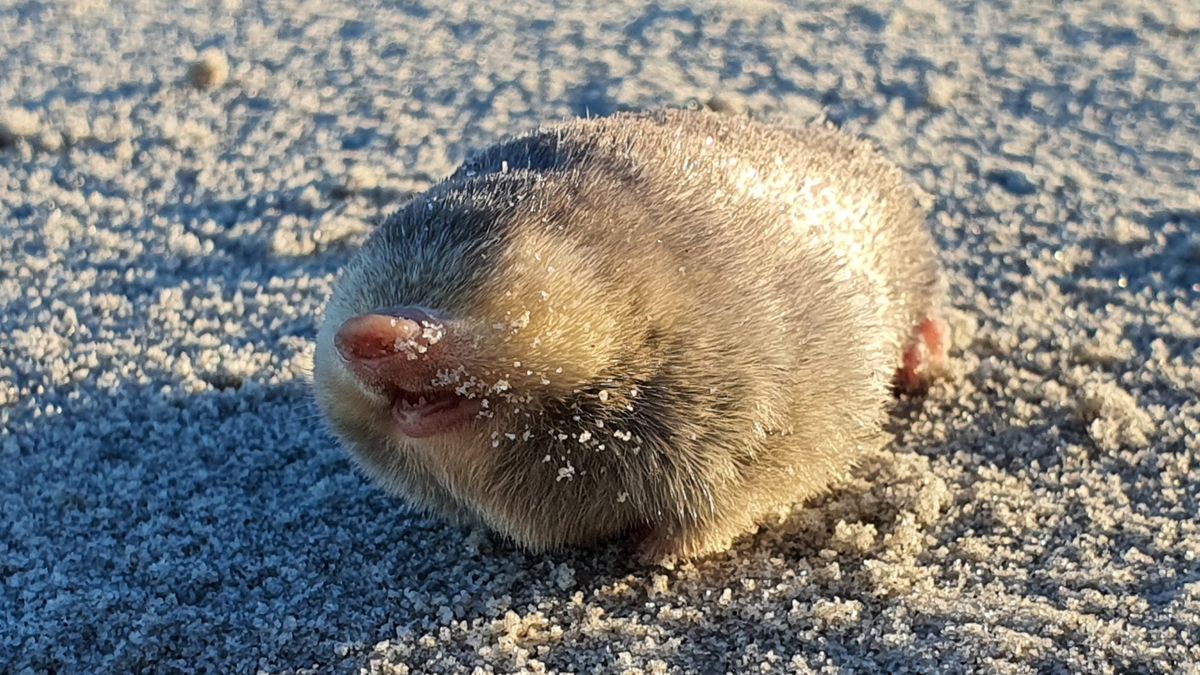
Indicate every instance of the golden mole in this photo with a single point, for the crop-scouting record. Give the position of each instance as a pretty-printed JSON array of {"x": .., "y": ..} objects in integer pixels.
[{"x": 663, "y": 325}]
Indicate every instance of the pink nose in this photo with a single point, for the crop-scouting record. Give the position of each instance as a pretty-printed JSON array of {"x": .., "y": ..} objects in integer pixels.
[
  {"x": 394, "y": 347},
  {"x": 388, "y": 332}
]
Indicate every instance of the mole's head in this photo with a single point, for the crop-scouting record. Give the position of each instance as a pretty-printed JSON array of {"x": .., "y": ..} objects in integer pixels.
[{"x": 480, "y": 355}]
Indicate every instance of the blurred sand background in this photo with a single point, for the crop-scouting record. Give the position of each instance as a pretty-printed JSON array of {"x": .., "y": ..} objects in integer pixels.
[{"x": 171, "y": 502}]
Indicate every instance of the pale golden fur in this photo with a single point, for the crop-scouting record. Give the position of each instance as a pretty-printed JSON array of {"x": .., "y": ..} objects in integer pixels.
[{"x": 680, "y": 321}]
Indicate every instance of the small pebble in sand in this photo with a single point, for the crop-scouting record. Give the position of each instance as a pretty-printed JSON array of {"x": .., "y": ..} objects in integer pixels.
[{"x": 210, "y": 70}]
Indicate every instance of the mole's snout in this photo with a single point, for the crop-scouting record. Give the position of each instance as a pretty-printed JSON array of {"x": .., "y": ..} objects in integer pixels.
[{"x": 399, "y": 353}]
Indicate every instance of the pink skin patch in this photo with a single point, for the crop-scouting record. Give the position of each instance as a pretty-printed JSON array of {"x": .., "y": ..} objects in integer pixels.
[
  {"x": 397, "y": 352},
  {"x": 925, "y": 355}
]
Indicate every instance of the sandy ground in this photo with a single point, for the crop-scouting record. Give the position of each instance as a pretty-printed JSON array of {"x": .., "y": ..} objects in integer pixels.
[{"x": 170, "y": 500}]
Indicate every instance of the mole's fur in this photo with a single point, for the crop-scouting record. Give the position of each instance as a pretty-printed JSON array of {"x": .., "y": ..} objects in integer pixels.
[{"x": 666, "y": 323}]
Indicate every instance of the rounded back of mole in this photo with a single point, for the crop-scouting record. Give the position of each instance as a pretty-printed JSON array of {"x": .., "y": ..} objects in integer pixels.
[{"x": 669, "y": 323}]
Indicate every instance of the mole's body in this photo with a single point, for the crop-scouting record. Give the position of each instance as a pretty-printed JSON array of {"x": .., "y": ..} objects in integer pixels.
[{"x": 667, "y": 323}]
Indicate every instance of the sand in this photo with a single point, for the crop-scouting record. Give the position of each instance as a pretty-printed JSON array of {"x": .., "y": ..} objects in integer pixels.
[{"x": 180, "y": 184}]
